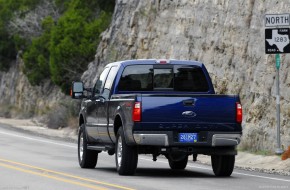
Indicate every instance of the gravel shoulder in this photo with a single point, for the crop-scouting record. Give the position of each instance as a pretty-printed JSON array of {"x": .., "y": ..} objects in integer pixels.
[{"x": 247, "y": 161}]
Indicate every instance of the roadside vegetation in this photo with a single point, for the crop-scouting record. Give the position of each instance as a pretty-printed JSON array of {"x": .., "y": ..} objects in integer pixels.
[
  {"x": 10, "y": 43},
  {"x": 57, "y": 38}
]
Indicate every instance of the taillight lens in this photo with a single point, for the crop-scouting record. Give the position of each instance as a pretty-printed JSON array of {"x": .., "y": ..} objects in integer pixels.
[
  {"x": 239, "y": 112},
  {"x": 137, "y": 112},
  {"x": 162, "y": 61}
]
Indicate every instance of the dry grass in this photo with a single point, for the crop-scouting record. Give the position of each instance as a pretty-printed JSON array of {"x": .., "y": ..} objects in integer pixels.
[
  {"x": 286, "y": 154},
  {"x": 63, "y": 115},
  {"x": 73, "y": 122}
]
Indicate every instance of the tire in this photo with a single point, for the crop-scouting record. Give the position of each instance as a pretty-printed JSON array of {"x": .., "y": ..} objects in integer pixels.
[
  {"x": 126, "y": 156},
  {"x": 178, "y": 165},
  {"x": 223, "y": 165},
  {"x": 87, "y": 158}
]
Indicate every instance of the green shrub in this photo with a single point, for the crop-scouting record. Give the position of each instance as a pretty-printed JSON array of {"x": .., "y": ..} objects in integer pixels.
[
  {"x": 10, "y": 44},
  {"x": 36, "y": 57},
  {"x": 73, "y": 45},
  {"x": 75, "y": 38},
  {"x": 65, "y": 47}
]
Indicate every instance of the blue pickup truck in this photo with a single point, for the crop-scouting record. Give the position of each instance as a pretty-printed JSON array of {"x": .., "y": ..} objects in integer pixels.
[{"x": 158, "y": 107}]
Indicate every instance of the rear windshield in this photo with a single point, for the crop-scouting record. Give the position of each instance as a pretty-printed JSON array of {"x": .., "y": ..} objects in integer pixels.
[{"x": 178, "y": 78}]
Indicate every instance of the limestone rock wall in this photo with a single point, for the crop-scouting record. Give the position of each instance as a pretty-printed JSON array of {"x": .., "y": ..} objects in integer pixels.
[
  {"x": 227, "y": 36},
  {"x": 20, "y": 99}
]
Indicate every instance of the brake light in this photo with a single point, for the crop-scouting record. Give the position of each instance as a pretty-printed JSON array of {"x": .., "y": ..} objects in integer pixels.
[
  {"x": 163, "y": 61},
  {"x": 239, "y": 112},
  {"x": 137, "y": 112}
]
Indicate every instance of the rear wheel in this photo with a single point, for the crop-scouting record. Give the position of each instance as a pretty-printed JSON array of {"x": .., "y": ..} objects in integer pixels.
[
  {"x": 223, "y": 165},
  {"x": 126, "y": 156},
  {"x": 179, "y": 164},
  {"x": 87, "y": 158}
]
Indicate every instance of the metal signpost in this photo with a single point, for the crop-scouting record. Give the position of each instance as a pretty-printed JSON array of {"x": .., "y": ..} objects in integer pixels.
[
  {"x": 277, "y": 41},
  {"x": 279, "y": 150}
]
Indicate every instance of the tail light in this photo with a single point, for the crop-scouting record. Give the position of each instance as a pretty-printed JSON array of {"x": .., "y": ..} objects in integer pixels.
[
  {"x": 137, "y": 112},
  {"x": 239, "y": 112},
  {"x": 162, "y": 61}
]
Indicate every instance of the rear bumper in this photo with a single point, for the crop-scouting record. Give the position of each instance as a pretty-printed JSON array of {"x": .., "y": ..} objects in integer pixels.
[
  {"x": 207, "y": 139},
  {"x": 226, "y": 139},
  {"x": 151, "y": 139}
]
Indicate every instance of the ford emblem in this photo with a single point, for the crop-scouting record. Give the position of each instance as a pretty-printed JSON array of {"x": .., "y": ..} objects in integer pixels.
[{"x": 189, "y": 114}]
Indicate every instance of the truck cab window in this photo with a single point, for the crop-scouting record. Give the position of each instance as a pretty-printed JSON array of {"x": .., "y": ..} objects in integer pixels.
[
  {"x": 136, "y": 78},
  {"x": 178, "y": 78},
  {"x": 163, "y": 79},
  {"x": 190, "y": 79},
  {"x": 100, "y": 82},
  {"x": 109, "y": 81}
]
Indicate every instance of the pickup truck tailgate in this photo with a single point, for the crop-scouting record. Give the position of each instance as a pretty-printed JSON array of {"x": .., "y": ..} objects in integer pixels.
[{"x": 188, "y": 113}]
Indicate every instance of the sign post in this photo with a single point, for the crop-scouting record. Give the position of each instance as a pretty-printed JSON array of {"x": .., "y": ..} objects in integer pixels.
[
  {"x": 278, "y": 149},
  {"x": 277, "y": 40}
]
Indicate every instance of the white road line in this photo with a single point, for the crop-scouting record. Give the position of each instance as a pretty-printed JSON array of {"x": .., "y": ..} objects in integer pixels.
[
  {"x": 164, "y": 162},
  {"x": 264, "y": 177},
  {"x": 237, "y": 173},
  {"x": 38, "y": 140}
]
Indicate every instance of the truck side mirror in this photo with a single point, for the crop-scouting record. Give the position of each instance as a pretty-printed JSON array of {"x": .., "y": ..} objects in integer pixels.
[{"x": 77, "y": 90}]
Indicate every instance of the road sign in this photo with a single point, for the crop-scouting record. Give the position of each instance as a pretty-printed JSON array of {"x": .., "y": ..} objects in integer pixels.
[
  {"x": 277, "y": 40},
  {"x": 274, "y": 20}
]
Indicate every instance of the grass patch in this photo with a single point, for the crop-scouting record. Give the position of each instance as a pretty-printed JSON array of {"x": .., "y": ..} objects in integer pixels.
[
  {"x": 257, "y": 152},
  {"x": 63, "y": 115}
]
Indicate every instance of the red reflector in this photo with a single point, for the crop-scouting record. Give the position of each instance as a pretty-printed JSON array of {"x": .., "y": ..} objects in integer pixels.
[
  {"x": 137, "y": 112},
  {"x": 239, "y": 112}
]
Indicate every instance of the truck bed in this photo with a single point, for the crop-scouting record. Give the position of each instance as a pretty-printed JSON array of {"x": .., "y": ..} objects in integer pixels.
[{"x": 188, "y": 113}]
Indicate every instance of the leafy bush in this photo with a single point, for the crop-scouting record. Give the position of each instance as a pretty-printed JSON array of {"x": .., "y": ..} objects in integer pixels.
[
  {"x": 73, "y": 45},
  {"x": 9, "y": 44},
  {"x": 7, "y": 51},
  {"x": 36, "y": 58},
  {"x": 64, "y": 49}
]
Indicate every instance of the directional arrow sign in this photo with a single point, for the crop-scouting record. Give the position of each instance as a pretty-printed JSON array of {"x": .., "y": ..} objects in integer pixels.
[{"x": 277, "y": 40}]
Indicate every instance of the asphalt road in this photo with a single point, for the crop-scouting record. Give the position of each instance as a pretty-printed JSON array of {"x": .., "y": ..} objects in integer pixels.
[{"x": 31, "y": 162}]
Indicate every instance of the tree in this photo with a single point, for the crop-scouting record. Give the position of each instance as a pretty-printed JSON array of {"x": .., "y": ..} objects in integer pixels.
[
  {"x": 9, "y": 44},
  {"x": 74, "y": 41},
  {"x": 58, "y": 46},
  {"x": 36, "y": 58}
]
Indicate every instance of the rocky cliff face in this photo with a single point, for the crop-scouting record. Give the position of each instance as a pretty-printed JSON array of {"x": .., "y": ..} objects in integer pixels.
[
  {"x": 227, "y": 36},
  {"x": 20, "y": 99}
]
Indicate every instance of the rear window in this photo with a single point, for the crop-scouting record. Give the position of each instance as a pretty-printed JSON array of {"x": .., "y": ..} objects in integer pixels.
[{"x": 177, "y": 78}]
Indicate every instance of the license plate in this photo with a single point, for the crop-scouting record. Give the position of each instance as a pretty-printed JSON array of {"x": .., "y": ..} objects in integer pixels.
[{"x": 188, "y": 137}]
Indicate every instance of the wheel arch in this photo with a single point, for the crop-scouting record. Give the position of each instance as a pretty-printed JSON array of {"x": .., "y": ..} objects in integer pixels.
[
  {"x": 81, "y": 120},
  {"x": 119, "y": 121},
  {"x": 117, "y": 124}
]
